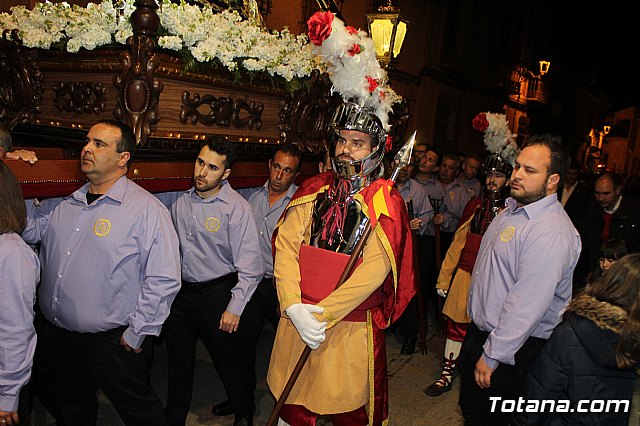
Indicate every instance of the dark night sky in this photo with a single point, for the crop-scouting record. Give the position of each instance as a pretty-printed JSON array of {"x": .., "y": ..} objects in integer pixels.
[{"x": 599, "y": 43}]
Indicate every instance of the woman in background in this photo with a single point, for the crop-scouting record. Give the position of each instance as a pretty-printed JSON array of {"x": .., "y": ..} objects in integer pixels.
[
  {"x": 608, "y": 253},
  {"x": 591, "y": 356},
  {"x": 19, "y": 274}
]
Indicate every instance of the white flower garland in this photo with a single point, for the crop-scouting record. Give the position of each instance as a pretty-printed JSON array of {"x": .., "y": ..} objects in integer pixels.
[{"x": 209, "y": 36}]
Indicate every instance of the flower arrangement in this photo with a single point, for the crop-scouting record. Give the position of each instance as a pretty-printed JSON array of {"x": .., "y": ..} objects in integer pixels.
[
  {"x": 497, "y": 137},
  {"x": 207, "y": 36},
  {"x": 352, "y": 64},
  {"x": 52, "y": 25}
]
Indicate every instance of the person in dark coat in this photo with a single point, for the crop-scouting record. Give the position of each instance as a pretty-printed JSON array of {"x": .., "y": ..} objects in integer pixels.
[
  {"x": 574, "y": 194},
  {"x": 591, "y": 356},
  {"x": 610, "y": 215}
]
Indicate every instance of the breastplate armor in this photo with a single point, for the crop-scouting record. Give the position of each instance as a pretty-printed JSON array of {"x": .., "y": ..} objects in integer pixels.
[
  {"x": 346, "y": 236},
  {"x": 492, "y": 204}
]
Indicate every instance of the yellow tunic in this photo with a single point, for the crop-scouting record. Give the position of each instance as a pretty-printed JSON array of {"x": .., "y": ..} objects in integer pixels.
[
  {"x": 336, "y": 376},
  {"x": 455, "y": 307}
]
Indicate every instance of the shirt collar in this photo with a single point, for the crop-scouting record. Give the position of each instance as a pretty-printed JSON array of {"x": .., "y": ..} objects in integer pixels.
[
  {"x": 222, "y": 195},
  {"x": 289, "y": 195},
  {"x": 116, "y": 192},
  {"x": 535, "y": 208}
]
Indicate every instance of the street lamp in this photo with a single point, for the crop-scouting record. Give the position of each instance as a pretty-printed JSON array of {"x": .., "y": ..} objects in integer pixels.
[
  {"x": 544, "y": 67},
  {"x": 387, "y": 29}
]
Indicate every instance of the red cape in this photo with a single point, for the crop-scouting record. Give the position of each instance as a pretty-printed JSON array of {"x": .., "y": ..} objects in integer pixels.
[
  {"x": 399, "y": 286},
  {"x": 469, "y": 211}
]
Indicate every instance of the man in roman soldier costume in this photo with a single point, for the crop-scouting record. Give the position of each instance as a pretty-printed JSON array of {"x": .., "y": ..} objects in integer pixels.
[
  {"x": 454, "y": 279},
  {"x": 345, "y": 375},
  {"x": 455, "y": 274}
]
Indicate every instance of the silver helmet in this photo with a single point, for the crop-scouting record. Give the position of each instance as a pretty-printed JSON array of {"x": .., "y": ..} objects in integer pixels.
[
  {"x": 495, "y": 163},
  {"x": 351, "y": 116}
]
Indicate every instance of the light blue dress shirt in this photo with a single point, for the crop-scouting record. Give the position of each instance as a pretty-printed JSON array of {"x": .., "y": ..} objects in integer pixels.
[
  {"x": 19, "y": 274},
  {"x": 455, "y": 198},
  {"x": 266, "y": 218},
  {"x": 113, "y": 263},
  {"x": 217, "y": 237},
  {"x": 413, "y": 190},
  {"x": 522, "y": 278}
]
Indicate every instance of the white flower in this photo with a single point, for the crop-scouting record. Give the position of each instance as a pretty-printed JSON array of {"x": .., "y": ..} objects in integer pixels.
[
  {"x": 170, "y": 42},
  {"x": 224, "y": 37}
]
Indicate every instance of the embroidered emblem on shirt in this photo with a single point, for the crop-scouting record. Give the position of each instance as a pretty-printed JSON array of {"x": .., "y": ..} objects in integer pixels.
[
  {"x": 102, "y": 227},
  {"x": 452, "y": 195},
  {"x": 507, "y": 234},
  {"x": 212, "y": 224}
]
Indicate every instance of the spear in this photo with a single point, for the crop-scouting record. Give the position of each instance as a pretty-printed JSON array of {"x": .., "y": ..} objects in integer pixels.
[{"x": 402, "y": 158}]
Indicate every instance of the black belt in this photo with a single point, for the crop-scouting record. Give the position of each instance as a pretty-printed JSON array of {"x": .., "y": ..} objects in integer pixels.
[{"x": 189, "y": 285}]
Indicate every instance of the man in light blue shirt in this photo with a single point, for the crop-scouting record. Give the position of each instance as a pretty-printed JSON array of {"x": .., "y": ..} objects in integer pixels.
[
  {"x": 110, "y": 271},
  {"x": 221, "y": 268},
  {"x": 415, "y": 196},
  {"x": 267, "y": 204},
  {"x": 470, "y": 167},
  {"x": 521, "y": 283}
]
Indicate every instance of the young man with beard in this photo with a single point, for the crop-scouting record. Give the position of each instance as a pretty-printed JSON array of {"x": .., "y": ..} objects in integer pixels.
[
  {"x": 221, "y": 268},
  {"x": 455, "y": 275},
  {"x": 267, "y": 204},
  {"x": 345, "y": 374},
  {"x": 520, "y": 284}
]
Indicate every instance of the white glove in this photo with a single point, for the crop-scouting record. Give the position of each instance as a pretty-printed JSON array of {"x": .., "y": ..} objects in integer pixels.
[
  {"x": 442, "y": 292},
  {"x": 311, "y": 330}
]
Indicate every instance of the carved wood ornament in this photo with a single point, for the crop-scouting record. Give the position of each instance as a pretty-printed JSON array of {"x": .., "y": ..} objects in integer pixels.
[
  {"x": 138, "y": 89},
  {"x": 21, "y": 81},
  {"x": 80, "y": 96},
  {"x": 305, "y": 115},
  {"x": 222, "y": 111}
]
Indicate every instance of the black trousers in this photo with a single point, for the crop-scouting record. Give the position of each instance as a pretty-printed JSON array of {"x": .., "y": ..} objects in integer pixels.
[
  {"x": 84, "y": 362},
  {"x": 408, "y": 324},
  {"x": 507, "y": 381},
  {"x": 266, "y": 297},
  {"x": 196, "y": 313}
]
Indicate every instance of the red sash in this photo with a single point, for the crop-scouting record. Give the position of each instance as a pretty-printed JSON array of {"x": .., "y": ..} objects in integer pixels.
[
  {"x": 320, "y": 271},
  {"x": 470, "y": 252}
]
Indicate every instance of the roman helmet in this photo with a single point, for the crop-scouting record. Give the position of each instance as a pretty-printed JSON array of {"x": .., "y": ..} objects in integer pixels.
[
  {"x": 351, "y": 116},
  {"x": 495, "y": 163}
]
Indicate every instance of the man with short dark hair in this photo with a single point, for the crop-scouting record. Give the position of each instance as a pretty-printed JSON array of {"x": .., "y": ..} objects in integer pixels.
[
  {"x": 267, "y": 204},
  {"x": 573, "y": 195},
  {"x": 418, "y": 152},
  {"x": 427, "y": 165},
  {"x": 221, "y": 268},
  {"x": 610, "y": 215},
  {"x": 110, "y": 271},
  {"x": 455, "y": 273},
  {"x": 520, "y": 283},
  {"x": 468, "y": 175}
]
